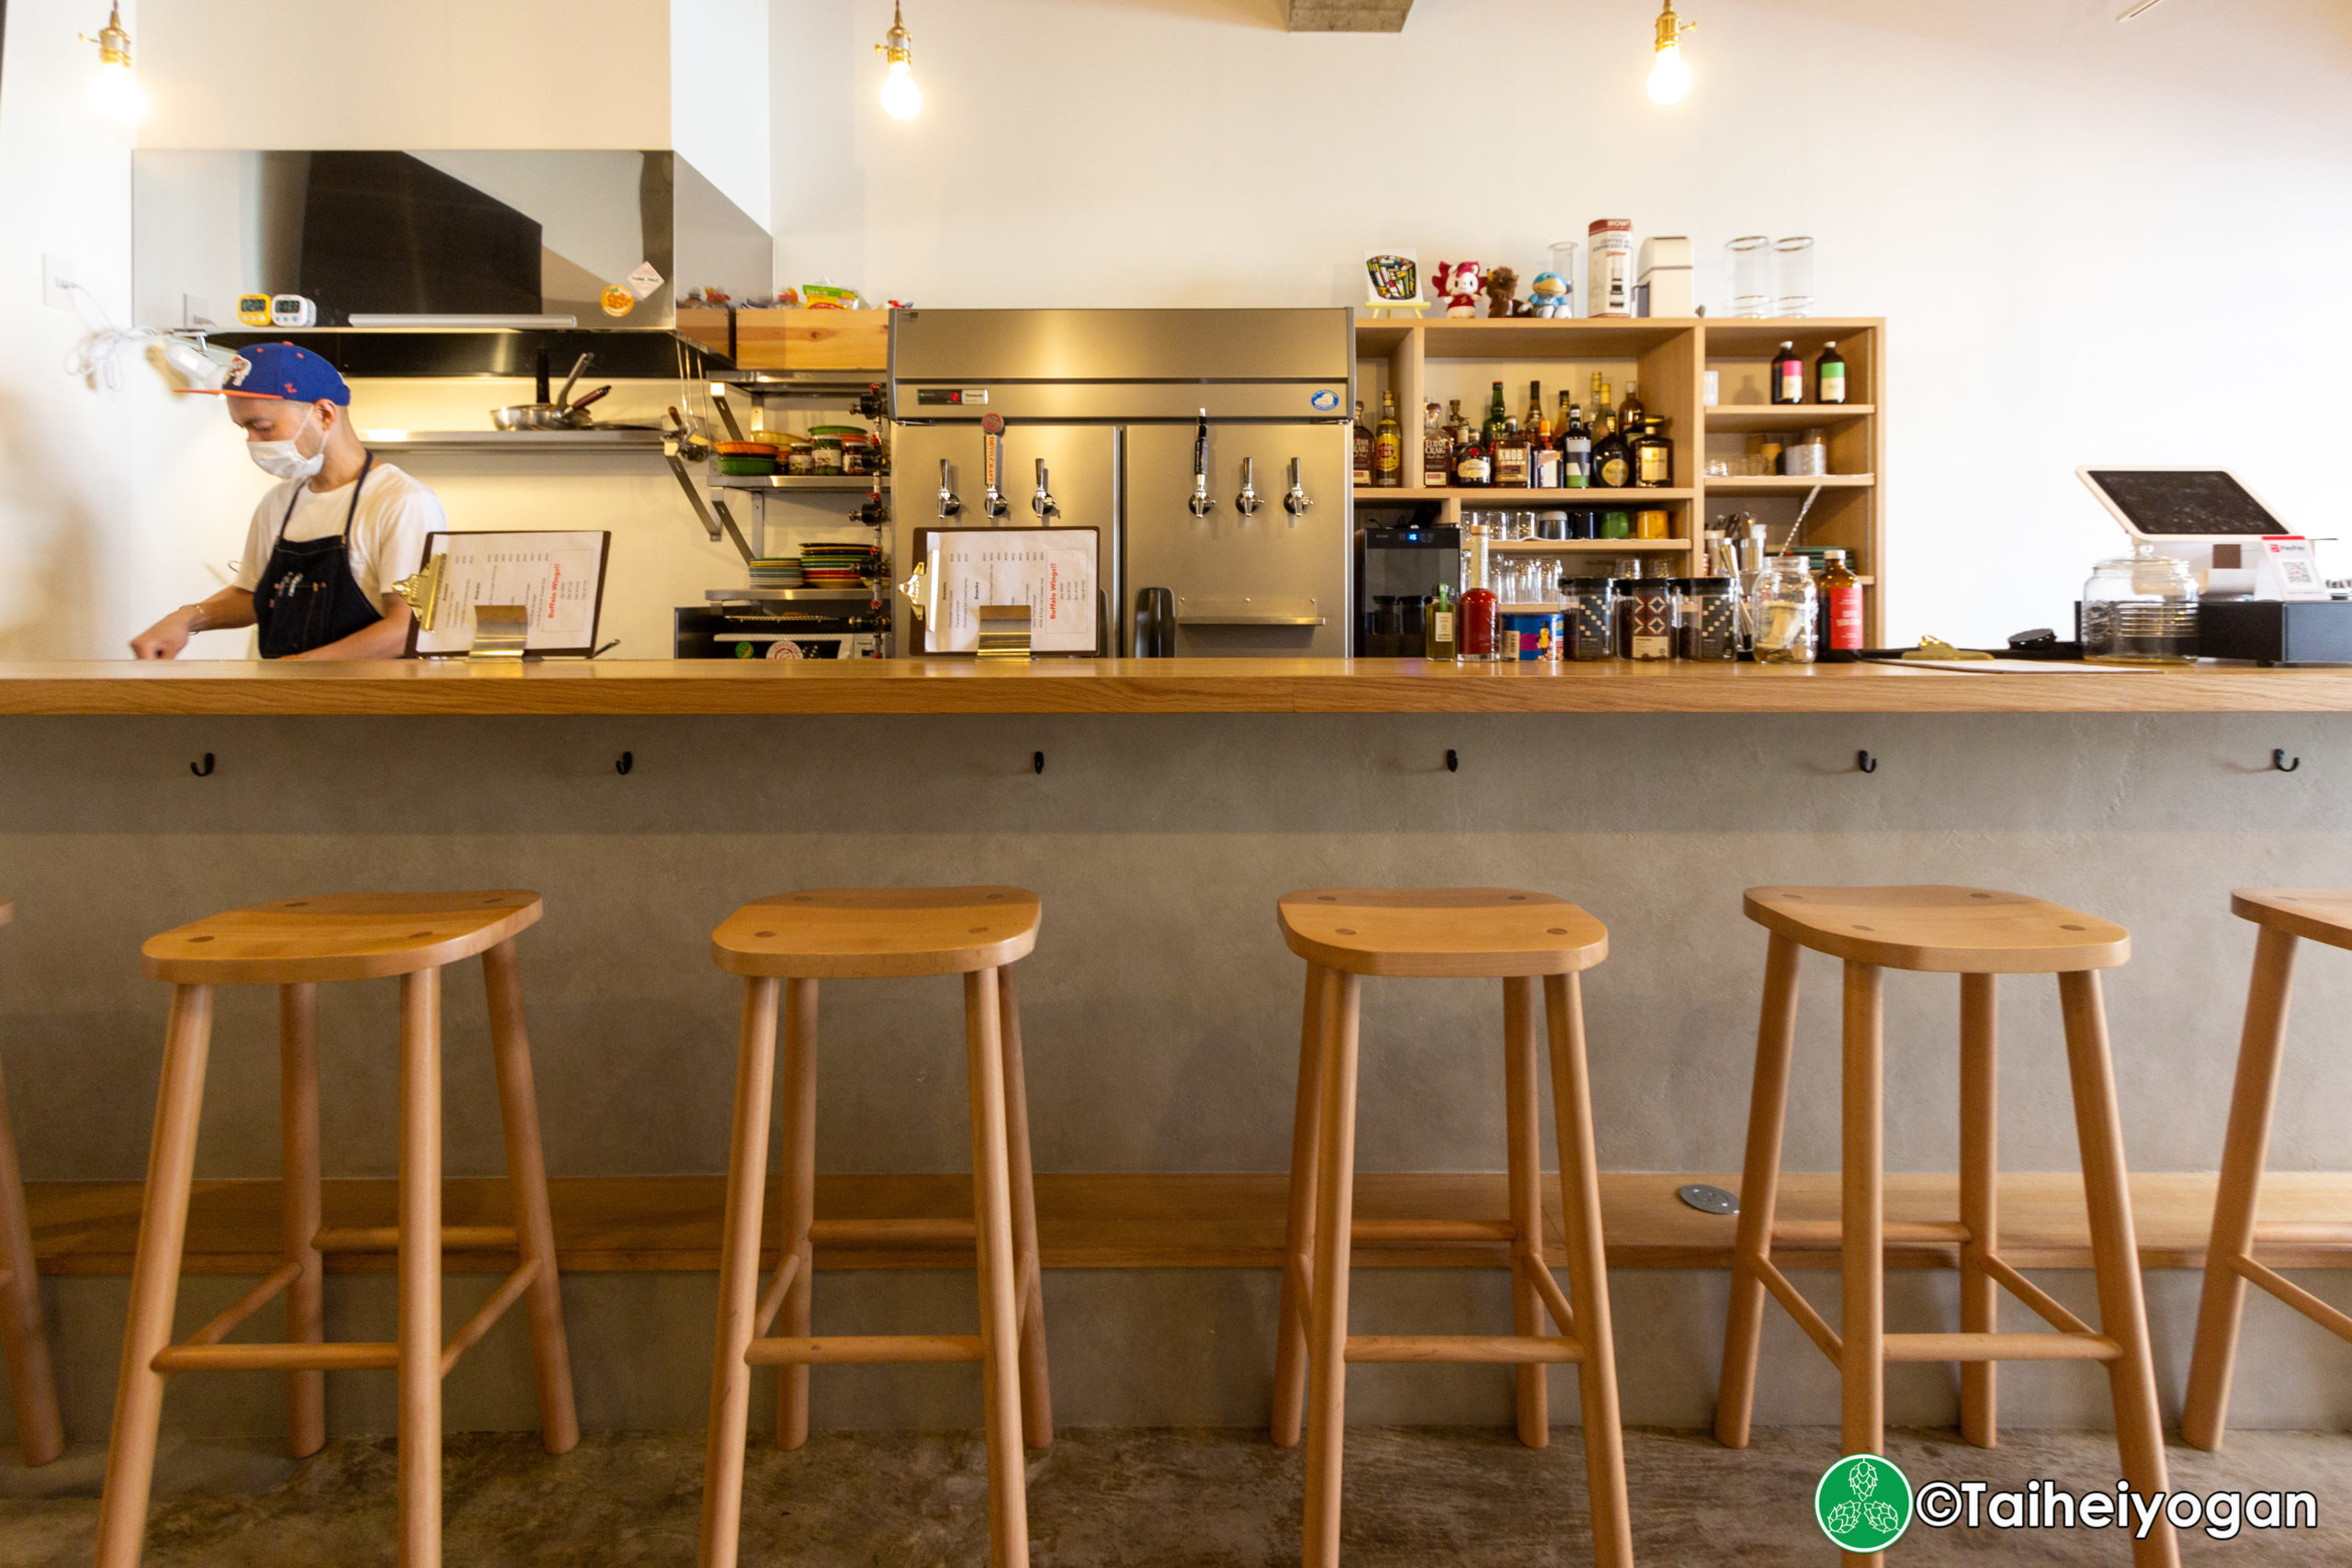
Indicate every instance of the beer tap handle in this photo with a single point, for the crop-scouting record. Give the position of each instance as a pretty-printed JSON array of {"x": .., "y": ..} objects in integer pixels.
[
  {"x": 1043, "y": 503},
  {"x": 1202, "y": 503},
  {"x": 1296, "y": 501},
  {"x": 950, "y": 503},
  {"x": 1246, "y": 501},
  {"x": 992, "y": 466}
]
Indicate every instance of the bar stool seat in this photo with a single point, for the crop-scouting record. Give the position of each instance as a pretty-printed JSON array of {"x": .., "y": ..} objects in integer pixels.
[
  {"x": 1519, "y": 938},
  {"x": 296, "y": 944},
  {"x": 2285, "y": 916},
  {"x": 783, "y": 946},
  {"x": 1978, "y": 934},
  {"x": 32, "y": 1385}
]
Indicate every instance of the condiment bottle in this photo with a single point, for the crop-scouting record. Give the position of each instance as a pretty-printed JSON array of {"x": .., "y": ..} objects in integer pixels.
[
  {"x": 1438, "y": 643},
  {"x": 1841, "y": 592},
  {"x": 1477, "y": 630}
]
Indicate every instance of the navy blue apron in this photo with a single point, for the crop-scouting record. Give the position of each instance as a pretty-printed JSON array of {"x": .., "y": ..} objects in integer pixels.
[{"x": 307, "y": 597}]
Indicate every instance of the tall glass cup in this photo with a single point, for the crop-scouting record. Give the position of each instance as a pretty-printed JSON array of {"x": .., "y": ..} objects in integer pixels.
[
  {"x": 1795, "y": 256},
  {"x": 1565, "y": 263},
  {"x": 1751, "y": 282}
]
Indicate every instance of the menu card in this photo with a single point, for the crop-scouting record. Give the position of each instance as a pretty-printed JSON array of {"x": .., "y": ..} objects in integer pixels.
[{"x": 1052, "y": 570}]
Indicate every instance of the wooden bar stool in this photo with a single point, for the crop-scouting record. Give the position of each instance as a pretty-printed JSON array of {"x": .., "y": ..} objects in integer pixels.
[
  {"x": 1978, "y": 935},
  {"x": 785, "y": 945},
  {"x": 40, "y": 1436},
  {"x": 2285, "y": 915},
  {"x": 1345, "y": 933},
  {"x": 296, "y": 944}
]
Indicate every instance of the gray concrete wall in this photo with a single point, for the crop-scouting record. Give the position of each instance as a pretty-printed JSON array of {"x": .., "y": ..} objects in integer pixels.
[{"x": 1160, "y": 1005}]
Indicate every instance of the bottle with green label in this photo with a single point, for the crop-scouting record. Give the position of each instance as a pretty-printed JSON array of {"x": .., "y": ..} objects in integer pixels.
[
  {"x": 1829, "y": 375},
  {"x": 1438, "y": 641}
]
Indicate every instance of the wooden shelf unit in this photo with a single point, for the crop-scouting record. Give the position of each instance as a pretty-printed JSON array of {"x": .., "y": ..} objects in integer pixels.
[{"x": 1446, "y": 357}]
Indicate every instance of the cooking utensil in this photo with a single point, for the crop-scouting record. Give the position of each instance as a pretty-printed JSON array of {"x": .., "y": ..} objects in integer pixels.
[
  {"x": 548, "y": 413},
  {"x": 578, "y": 368},
  {"x": 579, "y": 409}
]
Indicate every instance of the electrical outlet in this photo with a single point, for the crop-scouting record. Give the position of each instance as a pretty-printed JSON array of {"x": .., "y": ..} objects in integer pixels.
[{"x": 57, "y": 276}]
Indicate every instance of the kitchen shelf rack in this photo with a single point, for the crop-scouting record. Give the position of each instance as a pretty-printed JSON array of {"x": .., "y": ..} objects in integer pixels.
[
  {"x": 868, "y": 593},
  {"x": 1669, "y": 357},
  {"x": 803, "y": 484},
  {"x": 592, "y": 440}
]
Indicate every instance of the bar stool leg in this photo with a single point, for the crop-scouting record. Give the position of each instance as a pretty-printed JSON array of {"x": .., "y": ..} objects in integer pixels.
[
  {"x": 298, "y": 1116},
  {"x": 420, "y": 1270},
  {"x": 799, "y": 1200},
  {"x": 1604, "y": 1439},
  {"x": 526, "y": 1180},
  {"x": 2115, "y": 1253},
  {"x": 155, "y": 1279},
  {"x": 1759, "y": 1181},
  {"x": 739, "y": 1276},
  {"x": 1298, "y": 1240},
  {"x": 2206, "y": 1413},
  {"x": 999, "y": 1317},
  {"x": 1862, "y": 1330},
  {"x": 40, "y": 1437},
  {"x": 1980, "y": 1199},
  {"x": 1327, "y": 1357},
  {"x": 1525, "y": 1164},
  {"x": 1037, "y": 1386}
]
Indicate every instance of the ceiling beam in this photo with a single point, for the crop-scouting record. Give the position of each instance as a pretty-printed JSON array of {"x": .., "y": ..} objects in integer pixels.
[{"x": 1348, "y": 15}]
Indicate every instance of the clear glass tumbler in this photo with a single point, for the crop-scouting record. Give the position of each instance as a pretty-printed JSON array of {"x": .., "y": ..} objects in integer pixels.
[
  {"x": 1795, "y": 258},
  {"x": 1565, "y": 263},
  {"x": 1751, "y": 280}
]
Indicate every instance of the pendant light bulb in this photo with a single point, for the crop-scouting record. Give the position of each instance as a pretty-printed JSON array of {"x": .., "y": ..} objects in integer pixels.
[
  {"x": 902, "y": 99},
  {"x": 1671, "y": 76},
  {"x": 115, "y": 92}
]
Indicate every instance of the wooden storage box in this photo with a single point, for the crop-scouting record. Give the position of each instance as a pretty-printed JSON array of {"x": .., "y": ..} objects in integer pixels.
[{"x": 812, "y": 340}]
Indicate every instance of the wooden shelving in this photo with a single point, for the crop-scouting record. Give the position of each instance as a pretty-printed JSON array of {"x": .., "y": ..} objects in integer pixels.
[{"x": 1445, "y": 357}]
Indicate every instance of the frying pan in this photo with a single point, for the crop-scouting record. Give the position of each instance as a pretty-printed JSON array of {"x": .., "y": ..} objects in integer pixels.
[{"x": 556, "y": 414}]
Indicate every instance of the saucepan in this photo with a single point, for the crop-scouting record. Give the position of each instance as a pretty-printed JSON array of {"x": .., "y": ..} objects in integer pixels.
[{"x": 558, "y": 413}]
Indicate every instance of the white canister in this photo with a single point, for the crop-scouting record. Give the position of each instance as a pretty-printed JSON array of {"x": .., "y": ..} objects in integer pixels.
[{"x": 1609, "y": 280}]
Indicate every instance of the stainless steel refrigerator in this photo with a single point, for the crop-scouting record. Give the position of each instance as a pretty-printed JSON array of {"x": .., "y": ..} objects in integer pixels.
[{"x": 1209, "y": 447}]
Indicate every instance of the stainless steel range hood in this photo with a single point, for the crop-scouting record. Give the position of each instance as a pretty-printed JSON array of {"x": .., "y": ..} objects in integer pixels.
[{"x": 435, "y": 262}]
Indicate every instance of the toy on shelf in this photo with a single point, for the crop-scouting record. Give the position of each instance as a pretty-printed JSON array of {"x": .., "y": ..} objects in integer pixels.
[
  {"x": 1457, "y": 284},
  {"x": 1548, "y": 296},
  {"x": 1501, "y": 284}
]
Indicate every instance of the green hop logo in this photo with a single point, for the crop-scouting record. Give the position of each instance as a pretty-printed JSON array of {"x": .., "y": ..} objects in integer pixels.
[{"x": 1863, "y": 1502}]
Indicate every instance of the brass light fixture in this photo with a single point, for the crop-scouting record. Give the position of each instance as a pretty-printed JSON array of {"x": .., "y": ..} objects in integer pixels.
[
  {"x": 115, "y": 92},
  {"x": 902, "y": 99},
  {"x": 1670, "y": 78}
]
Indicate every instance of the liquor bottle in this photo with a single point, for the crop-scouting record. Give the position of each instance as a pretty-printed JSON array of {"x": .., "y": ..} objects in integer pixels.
[
  {"x": 1388, "y": 446},
  {"x": 1788, "y": 375},
  {"x": 1829, "y": 375},
  {"x": 1510, "y": 459},
  {"x": 1560, "y": 421},
  {"x": 1545, "y": 457},
  {"x": 1437, "y": 452},
  {"x": 1841, "y": 594},
  {"x": 1653, "y": 457},
  {"x": 1454, "y": 423},
  {"x": 1472, "y": 460},
  {"x": 1477, "y": 632},
  {"x": 1575, "y": 450},
  {"x": 1613, "y": 462},
  {"x": 1534, "y": 406},
  {"x": 1601, "y": 403},
  {"x": 1438, "y": 640},
  {"x": 1496, "y": 416},
  {"x": 1363, "y": 447},
  {"x": 1629, "y": 413}
]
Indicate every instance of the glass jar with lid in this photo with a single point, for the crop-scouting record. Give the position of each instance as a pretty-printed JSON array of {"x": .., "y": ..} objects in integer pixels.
[
  {"x": 2140, "y": 609},
  {"x": 1589, "y": 624},
  {"x": 1705, "y": 625},
  {"x": 1645, "y": 617},
  {"x": 1780, "y": 609}
]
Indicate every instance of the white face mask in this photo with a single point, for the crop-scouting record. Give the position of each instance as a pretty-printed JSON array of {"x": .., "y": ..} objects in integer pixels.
[{"x": 285, "y": 460}]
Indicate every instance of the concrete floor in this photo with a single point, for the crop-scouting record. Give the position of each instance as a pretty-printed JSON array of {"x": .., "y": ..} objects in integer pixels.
[{"x": 1103, "y": 1497}]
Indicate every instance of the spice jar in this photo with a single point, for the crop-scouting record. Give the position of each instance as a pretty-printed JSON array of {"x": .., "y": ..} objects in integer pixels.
[
  {"x": 1780, "y": 612},
  {"x": 2140, "y": 609},
  {"x": 1704, "y": 622},
  {"x": 1645, "y": 617}
]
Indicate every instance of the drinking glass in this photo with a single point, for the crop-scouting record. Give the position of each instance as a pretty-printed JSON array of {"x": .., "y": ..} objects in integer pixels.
[
  {"x": 1751, "y": 289},
  {"x": 1795, "y": 254},
  {"x": 1564, "y": 262}
]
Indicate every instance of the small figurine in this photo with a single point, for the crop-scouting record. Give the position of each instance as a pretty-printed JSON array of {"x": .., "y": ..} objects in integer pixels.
[
  {"x": 1548, "y": 295},
  {"x": 1456, "y": 283},
  {"x": 1501, "y": 284}
]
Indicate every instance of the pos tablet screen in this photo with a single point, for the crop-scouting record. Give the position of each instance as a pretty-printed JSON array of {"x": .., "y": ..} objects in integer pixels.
[{"x": 2181, "y": 503}]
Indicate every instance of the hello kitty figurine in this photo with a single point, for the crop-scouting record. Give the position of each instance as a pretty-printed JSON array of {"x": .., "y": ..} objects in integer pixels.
[{"x": 1456, "y": 284}]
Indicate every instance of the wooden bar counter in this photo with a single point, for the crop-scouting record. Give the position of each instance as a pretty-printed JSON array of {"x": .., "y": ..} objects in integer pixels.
[{"x": 1147, "y": 686}]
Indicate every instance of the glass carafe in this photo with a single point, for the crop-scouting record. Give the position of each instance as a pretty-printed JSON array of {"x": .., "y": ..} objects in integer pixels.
[
  {"x": 2140, "y": 609},
  {"x": 1780, "y": 610}
]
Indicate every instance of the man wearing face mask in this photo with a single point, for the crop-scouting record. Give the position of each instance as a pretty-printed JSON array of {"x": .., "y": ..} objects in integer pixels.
[{"x": 328, "y": 542}]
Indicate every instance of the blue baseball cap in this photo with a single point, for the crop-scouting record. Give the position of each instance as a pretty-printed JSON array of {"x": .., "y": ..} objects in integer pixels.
[{"x": 283, "y": 371}]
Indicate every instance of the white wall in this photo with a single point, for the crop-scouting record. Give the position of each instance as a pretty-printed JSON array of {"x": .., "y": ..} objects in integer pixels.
[
  {"x": 718, "y": 84},
  {"x": 2094, "y": 243}
]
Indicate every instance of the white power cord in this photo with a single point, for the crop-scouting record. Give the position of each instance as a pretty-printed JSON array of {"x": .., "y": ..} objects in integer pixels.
[{"x": 97, "y": 358}]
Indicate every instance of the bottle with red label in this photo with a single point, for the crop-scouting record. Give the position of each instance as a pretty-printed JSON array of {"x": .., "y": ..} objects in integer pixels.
[
  {"x": 1788, "y": 375},
  {"x": 1841, "y": 602},
  {"x": 1475, "y": 632}
]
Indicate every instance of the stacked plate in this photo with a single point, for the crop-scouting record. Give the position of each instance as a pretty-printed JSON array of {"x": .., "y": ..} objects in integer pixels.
[
  {"x": 838, "y": 566},
  {"x": 776, "y": 572}
]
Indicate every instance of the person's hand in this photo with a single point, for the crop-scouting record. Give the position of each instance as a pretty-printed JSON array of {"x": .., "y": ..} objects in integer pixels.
[{"x": 166, "y": 638}]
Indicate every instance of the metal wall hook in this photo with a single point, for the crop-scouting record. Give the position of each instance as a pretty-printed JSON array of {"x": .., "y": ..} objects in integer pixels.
[
  {"x": 1865, "y": 762},
  {"x": 2278, "y": 761},
  {"x": 1037, "y": 762},
  {"x": 628, "y": 760},
  {"x": 204, "y": 770},
  {"x": 1453, "y": 761}
]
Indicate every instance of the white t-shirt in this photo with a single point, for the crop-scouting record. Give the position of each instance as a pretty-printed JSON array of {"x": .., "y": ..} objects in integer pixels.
[{"x": 387, "y": 535}]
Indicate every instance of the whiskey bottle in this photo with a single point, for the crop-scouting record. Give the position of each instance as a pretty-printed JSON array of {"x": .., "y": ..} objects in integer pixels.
[
  {"x": 1534, "y": 406},
  {"x": 1613, "y": 462},
  {"x": 1629, "y": 413},
  {"x": 1575, "y": 450},
  {"x": 1510, "y": 459},
  {"x": 1788, "y": 375},
  {"x": 1363, "y": 447},
  {"x": 1653, "y": 457},
  {"x": 1472, "y": 460},
  {"x": 1437, "y": 452},
  {"x": 1388, "y": 446},
  {"x": 1829, "y": 375},
  {"x": 1496, "y": 416}
]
